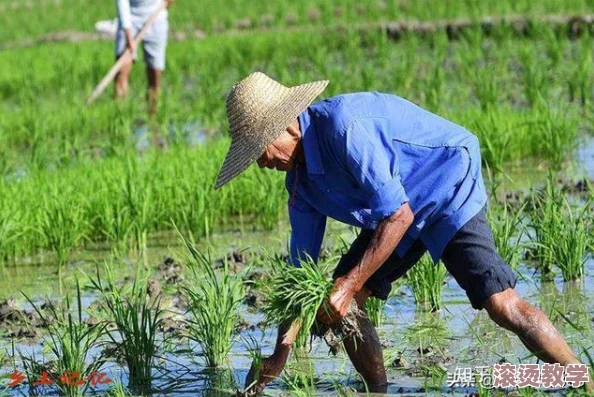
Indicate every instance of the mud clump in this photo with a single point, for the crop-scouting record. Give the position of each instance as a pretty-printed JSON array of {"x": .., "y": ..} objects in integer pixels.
[
  {"x": 582, "y": 186},
  {"x": 7, "y": 307},
  {"x": 23, "y": 333},
  {"x": 243, "y": 24},
  {"x": 254, "y": 299},
  {"x": 291, "y": 19},
  {"x": 267, "y": 20},
  {"x": 17, "y": 323},
  {"x": 173, "y": 325},
  {"x": 314, "y": 14},
  {"x": 171, "y": 271},
  {"x": 153, "y": 288},
  {"x": 258, "y": 277},
  {"x": 180, "y": 302},
  {"x": 235, "y": 260},
  {"x": 400, "y": 362},
  {"x": 244, "y": 325}
]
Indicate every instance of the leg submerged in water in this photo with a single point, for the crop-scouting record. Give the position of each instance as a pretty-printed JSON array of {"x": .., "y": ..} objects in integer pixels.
[
  {"x": 269, "y": 368},
  {"x": 366, "y": 352},
  {"x": 533, "y": 327}
]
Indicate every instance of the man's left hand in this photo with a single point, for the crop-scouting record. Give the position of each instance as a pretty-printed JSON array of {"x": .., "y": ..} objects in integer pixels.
[{"x": 338, "y": 303}]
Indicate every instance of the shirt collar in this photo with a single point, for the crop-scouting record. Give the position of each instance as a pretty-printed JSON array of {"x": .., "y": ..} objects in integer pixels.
[{"x": 311, "y": 149}]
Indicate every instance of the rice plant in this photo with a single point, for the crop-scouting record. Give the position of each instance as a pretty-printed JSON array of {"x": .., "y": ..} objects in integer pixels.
[
  {"x": 118, "y": 390},
  {"x": 426, "y": 280},
  {"x": 62, "y": 226},
  {"x": 428, "y": 332},
  {"x": 507, "y": 226},
  {"x": 570, "y": 250},
  {"x": 9, "y": 235},
  {"x": 53, "y": 143},
  {"x": 137, "y": 319},
  {"x": 299, "y": 377},
  {"x": 213, "y": 302},
  {"x": 375, "y": 310},
  {"x": 294, "y": 294},
  {"x": 219, "y": 383},
  {"x": 561, "y": 233},
  {"x": 71, "y": 342},
  {"x": 116, "y": 224}
]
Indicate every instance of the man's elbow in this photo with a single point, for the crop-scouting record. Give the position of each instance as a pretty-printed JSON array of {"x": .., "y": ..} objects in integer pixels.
[{"x": 404, "y": 215}]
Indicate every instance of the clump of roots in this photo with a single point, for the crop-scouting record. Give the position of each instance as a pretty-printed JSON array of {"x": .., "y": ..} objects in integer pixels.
[{"x": 347, "y": 327}]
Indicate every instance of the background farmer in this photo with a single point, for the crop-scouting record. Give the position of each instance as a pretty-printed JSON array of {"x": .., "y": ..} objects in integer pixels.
[
  {"x": 132, "y": 15},
  {"x": 410, "y": 179}
]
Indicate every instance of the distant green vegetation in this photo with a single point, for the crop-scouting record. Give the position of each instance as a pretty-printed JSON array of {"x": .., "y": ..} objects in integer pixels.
[
  {"x": 66, "y": 165},
  {"x": 29, "y": 19}
]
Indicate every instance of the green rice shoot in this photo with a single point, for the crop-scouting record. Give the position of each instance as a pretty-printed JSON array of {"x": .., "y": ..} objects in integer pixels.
[
  {"x": 294, "y": 294},
  {"x": 426, "y": 280},
  {"x": 213, "y": 302}
]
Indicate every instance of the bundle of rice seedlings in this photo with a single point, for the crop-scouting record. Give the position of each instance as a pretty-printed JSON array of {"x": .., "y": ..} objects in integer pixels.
[
  {"x": 294, "y": 295},
  {"x": 213, "y": 302}
]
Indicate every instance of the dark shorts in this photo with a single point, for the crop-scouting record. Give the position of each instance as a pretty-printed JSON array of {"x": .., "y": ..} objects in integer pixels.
[{"x": 470, "y": 257}]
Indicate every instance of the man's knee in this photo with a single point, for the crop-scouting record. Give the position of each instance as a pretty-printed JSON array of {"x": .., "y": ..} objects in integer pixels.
[{"x": 510, "y": 311}]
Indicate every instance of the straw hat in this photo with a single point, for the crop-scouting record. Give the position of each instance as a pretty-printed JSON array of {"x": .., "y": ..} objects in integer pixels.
[{"x": 259, "y": 110}]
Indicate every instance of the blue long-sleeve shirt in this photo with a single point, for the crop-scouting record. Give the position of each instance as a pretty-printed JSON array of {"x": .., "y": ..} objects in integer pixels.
[{"x": 366, "y": 154}]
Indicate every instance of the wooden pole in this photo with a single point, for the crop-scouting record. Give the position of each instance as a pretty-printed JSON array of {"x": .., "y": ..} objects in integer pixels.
[{"x": 125, "y": 56}]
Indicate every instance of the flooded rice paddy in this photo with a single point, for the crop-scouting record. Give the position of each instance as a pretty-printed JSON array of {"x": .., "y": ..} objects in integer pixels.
[{"x": 420, "y": 348}]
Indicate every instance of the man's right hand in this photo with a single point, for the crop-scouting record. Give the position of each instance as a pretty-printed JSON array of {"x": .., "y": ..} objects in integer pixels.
[{"x": 129, "y": 41}]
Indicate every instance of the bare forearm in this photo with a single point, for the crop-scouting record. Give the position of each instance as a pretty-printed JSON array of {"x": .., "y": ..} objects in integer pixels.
[
  {"x": 129, "y": 37},
  {"x": 383, "y": 242}
]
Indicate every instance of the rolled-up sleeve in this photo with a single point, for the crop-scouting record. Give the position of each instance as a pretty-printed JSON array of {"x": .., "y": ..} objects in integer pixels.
[
  {"x": 123, "y": 7},
  {"x": 373, "y": 162},
  {"x": 307, "y": 231}
]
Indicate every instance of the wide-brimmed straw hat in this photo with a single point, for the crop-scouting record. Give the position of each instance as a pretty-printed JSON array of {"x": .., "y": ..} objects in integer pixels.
[{"x": 259, "y": 110}]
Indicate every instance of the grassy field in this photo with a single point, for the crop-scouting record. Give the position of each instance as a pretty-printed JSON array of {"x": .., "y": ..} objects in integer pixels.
[
  {"x": 524, "y": 98},
  {"x": 29, "y": 19}
]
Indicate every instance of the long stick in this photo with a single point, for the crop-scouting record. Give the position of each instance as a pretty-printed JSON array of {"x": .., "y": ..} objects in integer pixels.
[{"x": 125, "y": 56}]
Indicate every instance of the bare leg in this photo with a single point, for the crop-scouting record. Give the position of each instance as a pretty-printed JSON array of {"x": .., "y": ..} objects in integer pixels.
[
  {"x": 533, "y": 328},
  {"x": 122, "y": 78},
  {"x": 271, "y": 367},
  {"x": 366, "y": 354},
  {"x": 154, "y": 89}
]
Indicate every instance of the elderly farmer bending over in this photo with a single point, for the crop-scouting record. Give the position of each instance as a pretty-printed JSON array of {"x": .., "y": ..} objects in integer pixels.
[
  {"x": 132, "y": 14},
  {"x": 409, "y": 179}
]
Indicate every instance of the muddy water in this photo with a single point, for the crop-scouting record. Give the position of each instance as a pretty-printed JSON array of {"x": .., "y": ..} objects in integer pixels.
[{"x": 458, "y": 336}]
